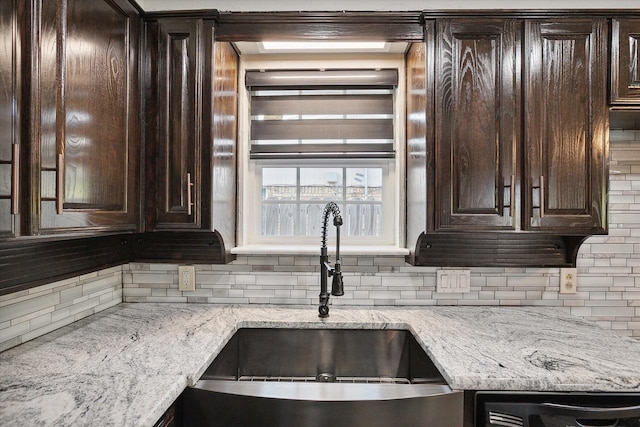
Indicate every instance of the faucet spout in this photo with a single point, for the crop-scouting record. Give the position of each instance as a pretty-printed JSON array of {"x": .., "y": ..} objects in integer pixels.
[{"x": 337, "y": 286}]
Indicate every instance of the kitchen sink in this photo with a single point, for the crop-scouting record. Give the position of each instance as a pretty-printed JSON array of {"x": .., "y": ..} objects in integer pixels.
[{"x": 321, "y": 377}]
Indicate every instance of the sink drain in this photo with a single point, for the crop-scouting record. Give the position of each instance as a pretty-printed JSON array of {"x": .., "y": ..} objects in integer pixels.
[{"x": 326, "y": 377}]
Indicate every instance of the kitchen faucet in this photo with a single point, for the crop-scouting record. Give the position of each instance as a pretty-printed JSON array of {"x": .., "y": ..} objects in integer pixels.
[{"x": 337, "y": 287}]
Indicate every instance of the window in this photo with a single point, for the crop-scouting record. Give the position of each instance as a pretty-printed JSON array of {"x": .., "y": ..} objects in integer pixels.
[
  {"x": 293, "y": 198},
  {"x": 317, "y": 136}
]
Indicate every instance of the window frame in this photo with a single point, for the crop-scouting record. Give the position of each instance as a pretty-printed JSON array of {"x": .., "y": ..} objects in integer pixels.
[{"x": 249, "y": 176}]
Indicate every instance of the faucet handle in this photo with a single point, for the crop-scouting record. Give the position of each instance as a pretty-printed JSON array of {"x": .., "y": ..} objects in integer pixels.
[{"x": 337, "y": 286}]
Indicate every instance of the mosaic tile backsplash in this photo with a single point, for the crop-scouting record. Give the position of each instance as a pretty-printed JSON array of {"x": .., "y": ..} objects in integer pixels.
[
  {"x": 28, "y": 314},
  {"x": 608, "y": 277}
]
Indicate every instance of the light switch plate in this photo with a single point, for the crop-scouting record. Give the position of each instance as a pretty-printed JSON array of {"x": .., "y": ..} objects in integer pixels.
[
  {"x": 187, "y": 277},
  {"x": 568, "y": 280},
  {"x": 453, "y": 281}
]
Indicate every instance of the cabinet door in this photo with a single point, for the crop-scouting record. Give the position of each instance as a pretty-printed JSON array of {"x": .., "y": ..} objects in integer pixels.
[
  {"x": 566, "y": 126},
  {"x": 477, "y": 124},
  {"x": 180, "y": 69},
  {"x": 625, "y": 62},
  {"x": 85, "y": 123},
  {"x": 11, "y": 19}
]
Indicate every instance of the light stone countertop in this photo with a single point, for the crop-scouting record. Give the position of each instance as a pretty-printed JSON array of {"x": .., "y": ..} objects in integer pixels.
[{"x": 126, "y": 365}]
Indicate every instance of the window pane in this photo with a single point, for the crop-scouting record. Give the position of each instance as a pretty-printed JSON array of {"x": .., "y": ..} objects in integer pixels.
[
  {"x": 278, "y": 219},
  {"x": 321, "y": 184},
  {"x": 363, "y": 220},
  {"x": 279, "y": 184},
  {"x": 311, "y": 220},
  {"x": 364, "y": 184},
  {"x": 5, "y": 179}
]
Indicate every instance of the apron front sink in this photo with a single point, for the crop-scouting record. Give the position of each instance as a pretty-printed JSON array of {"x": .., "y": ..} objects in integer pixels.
[{"x": 320, "y": 377}]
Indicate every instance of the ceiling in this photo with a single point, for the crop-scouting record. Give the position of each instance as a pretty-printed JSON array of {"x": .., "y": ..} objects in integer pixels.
[{"x": 379, "y": 5}]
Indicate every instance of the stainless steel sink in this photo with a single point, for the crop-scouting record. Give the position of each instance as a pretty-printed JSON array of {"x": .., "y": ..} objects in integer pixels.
[{"x": 322, "y": 377}]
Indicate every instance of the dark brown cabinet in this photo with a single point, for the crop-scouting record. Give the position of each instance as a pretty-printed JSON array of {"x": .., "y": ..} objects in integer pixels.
[
  {"x": 12, "y": 30},
  {"x": 192, "y": 121},
  {"x": 85, "y": 123},
  {"x": 477, "y": 118},
  {"x": 566, "y": 126},
  {"x": 625, "y": 62},
  {"x": 182, "y": 116},
  {"x": 515, "y": 165},
  {"x": 497, "y": 169}
]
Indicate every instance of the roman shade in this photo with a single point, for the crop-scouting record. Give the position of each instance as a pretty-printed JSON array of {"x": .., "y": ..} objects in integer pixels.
[{"x": 322, "y": 114}]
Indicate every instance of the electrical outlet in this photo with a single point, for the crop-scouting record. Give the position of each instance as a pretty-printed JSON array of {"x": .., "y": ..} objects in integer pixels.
[
  {"x": 568, "y": 280},
  {"x": 458, "y": 281},
  {"x": 187, "y": 277}
]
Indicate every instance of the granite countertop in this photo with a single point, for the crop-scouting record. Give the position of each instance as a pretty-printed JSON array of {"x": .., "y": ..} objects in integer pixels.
[{"x": 126, "y": 365}]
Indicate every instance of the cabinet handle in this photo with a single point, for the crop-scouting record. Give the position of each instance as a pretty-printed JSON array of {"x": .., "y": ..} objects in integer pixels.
[
  {"x": 541, "y": 196},
  {"x": 511, "y": 187},
  {"x": 15, "y": 177},
  {"x": 60, "y": 184},
  {"x": 512, "y": 194},
  {"x": 540, "y": 188},
  {"x": 189, "y": 185}
]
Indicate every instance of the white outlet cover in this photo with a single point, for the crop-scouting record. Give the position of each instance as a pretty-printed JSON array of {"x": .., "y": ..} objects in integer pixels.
[
  {"x": 186, "y": 278},
  {"x": 453, "y": 281},
  {"x": 568, "y": 280}
]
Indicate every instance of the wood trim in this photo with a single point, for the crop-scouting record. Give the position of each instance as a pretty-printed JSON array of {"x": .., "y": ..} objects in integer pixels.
[
  {"x": 178, "y": 247},
  {"x": 206, "y": 14},
  {"x": 27, "y": 263},
  {"x": 496, "y": 250},
  {"x": 231, "y": 22},
  {"x": 255, "y": 26},
  {"x": 530, "y": 13},
  {"x": 223, "y": 107},
  {"x": 31, "y": 262}
]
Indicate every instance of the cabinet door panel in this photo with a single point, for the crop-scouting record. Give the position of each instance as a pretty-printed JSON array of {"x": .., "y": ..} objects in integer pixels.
[
  {"x": 566, "y": 126},
  {"x": 477, "y": 134},
  {"x": 95, "y": 113},
  {"x": 179, "y": 106},
  {"x": 11, "y": 15},
  {"x": 84, "y": 96},
  {"x": 625, "y": 62}
]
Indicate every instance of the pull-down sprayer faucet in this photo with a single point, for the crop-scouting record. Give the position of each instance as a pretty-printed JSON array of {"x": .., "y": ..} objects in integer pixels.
[{"x": 337, "y": 287}]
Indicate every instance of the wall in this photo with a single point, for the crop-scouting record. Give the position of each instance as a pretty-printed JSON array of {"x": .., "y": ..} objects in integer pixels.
[
  {"x": 608, "y": 277},
  {"x": 608, "y": 270}
]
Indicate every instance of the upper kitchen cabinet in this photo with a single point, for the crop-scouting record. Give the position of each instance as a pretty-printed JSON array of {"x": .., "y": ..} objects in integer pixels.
[
  {"x": 516, "y": 158},
  {"x": 625, "y": 62},
  {"x": 191, "y": 114},
  {"x": 565, "y": 126},
  {"x": 477, "y": 124},
  {"x": 11, "y": 43},
  {"x": 179, "y": 50},
  {"x": 84, "y": 110}
]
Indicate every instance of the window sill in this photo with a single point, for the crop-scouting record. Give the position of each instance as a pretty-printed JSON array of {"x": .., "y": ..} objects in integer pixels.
[{"x": 307, "y": 250}]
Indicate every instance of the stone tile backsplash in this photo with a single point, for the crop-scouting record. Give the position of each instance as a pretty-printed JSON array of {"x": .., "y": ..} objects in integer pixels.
[
  {"x": 608, "y": 270},
  {"x": 28, "y": 314},
  {"x": 608, "y": 277}
]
